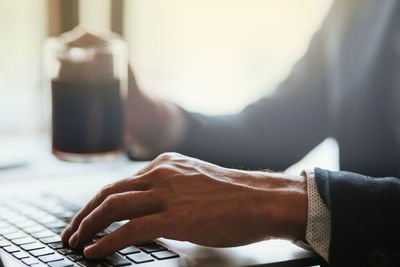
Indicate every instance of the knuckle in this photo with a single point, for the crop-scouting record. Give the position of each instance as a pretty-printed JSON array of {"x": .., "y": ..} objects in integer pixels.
[
  {"x": 151, "y": 194},
  {"x": 84, "y": 224},
  {"x": 163, "y": 172},
  {"x": 166, "y": 156},
  {"x": 142, "y": 181},
  {"x": 162, "y": 157},
  {"x": 76, "y": 220},
  {"x": 162, "y": 169},
  {"x": 105, "y": 191},
  {"x": 111, "y": 201}
]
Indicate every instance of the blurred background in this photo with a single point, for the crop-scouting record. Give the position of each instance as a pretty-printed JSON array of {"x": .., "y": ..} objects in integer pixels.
[{"x": 211, "y": 56}]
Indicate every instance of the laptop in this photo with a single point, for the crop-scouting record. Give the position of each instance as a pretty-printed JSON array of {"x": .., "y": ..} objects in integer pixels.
[{"x": 33, "y": 213}]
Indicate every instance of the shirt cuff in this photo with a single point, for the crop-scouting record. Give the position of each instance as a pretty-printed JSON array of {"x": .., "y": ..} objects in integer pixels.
[{"x": 318, "y": 230}]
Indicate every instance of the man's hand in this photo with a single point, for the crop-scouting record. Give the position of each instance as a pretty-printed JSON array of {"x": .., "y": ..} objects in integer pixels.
[
  {"x": 183, "y": 198},
  {"x": 152, "y": 125}
]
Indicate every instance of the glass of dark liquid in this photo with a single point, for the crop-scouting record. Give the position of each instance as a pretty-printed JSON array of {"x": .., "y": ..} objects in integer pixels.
[{"x": 88, "y": 78}]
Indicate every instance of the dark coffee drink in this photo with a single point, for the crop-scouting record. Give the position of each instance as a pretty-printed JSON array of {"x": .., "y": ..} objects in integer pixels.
[{"x": 87, "y": 116}]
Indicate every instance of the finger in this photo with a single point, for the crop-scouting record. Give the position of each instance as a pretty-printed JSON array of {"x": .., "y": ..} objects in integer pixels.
[
  {"x": 137, "y": 230},
  {"x": 118, "y": 187},
  {"x": 133, "y": 88},
  {"x": 116, "y": 207}
]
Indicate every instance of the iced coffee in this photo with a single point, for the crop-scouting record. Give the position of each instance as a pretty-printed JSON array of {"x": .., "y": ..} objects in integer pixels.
[{"x": 87, "y": 95}]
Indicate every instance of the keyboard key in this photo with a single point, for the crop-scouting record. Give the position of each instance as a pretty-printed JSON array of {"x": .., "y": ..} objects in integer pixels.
[
  {"x": 57, "y": 223},
  {"x": 15, "y": 235},
  {"x": 26, "y": 223},
  {"x": 4, "y": 224},
  {"x": 23, "y": 241},
  {"x": 91, "y": 263},
  {"x": 4, "y": 243},
  {"x": 47, "y": 219},
  {"x": 52, "y": 239},
  {"x": 140, "y": 257},
  {"x": 152, "y": 248},
  {"x": 101, "y": 235},
  {"x": 50, "y": 258},
  {"x": 30, "y": 261},
  {"x": 37, "y": 215},
  {"x": 57, "y": 230},
  {"x": 76, "y": 257},
  {"x": 30, "y": 211},
  {"x": 64, "y": 214},
  {"x": 67, "y": 218},
  {"x": 55, "y": 210},
  {"x": 114, "y": 226},
  {"x": 34, "y": 229},
  {"x": 145, "y": 243},
  {"x": 8, "y": 230},
  {"x": 70, "y": 207},
  {"x": 12, "y": 249},
  {"x": 32, "y": 246},
  {"x": 66, "y": 251},
  {"x": 62, "y": 263},
  {"x": 41, "y": 252},
  {"x": 57, "y": 245},
  {"x": 43, "y": 234},
  {"x": 129, "y": 250},
  {"x": 116, "y": 260},
  {"x": 163, "y": 255},
  {"x": 21, "y": 255},
  {"x": 16, "y": 219}
]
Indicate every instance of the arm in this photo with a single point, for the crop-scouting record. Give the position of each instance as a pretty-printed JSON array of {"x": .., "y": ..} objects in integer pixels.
[
  {"x": 274, "y": 131},
  {"x": 222, "y": 207},
  {"x": 364, "y": 218},
  {"x": 259, "y": 136},
  {"x": 364, "y": 225}
]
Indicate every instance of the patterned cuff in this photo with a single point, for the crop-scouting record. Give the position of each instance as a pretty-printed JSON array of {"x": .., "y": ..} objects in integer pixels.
[{"x": 318, "y": 231}]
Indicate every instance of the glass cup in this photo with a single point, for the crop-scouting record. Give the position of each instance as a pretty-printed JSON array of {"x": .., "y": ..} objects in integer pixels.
[{"x": 88, "y": 80}]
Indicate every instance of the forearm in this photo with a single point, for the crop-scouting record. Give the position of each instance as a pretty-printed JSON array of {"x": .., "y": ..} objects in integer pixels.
[{"x": 275, "y": 131}]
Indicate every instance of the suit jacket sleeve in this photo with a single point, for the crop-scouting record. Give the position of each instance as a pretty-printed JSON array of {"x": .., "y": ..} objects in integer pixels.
[
  {"x": 365, "y": 218},
  {"x": 273, "y": 132}
]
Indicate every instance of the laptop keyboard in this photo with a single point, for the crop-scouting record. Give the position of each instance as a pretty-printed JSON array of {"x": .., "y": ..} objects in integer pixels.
[{"x": 30, "y": 231}]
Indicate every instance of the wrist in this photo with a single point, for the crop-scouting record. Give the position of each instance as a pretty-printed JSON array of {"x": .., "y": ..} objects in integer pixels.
[
  {"x": 286, "y": 200},
  {"x": 296, "y": 213}
]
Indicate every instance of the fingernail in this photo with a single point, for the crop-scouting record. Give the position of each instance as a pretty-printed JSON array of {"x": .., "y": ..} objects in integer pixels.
[
  {"x": 64, "y": 233},
  {"x": 73, "y": 241},
  {"x": 88, "y": 251}
]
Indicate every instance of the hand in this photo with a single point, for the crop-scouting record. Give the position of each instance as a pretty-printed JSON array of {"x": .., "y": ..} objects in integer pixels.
[
  {"x": 152, "y": 125},
  {"x": 183, "y": 198}
]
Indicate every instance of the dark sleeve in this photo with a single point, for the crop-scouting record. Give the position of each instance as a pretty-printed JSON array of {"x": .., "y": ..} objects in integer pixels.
[
  {"x": 274, "y": 132},
  {"x": 365, "y": 218}
]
